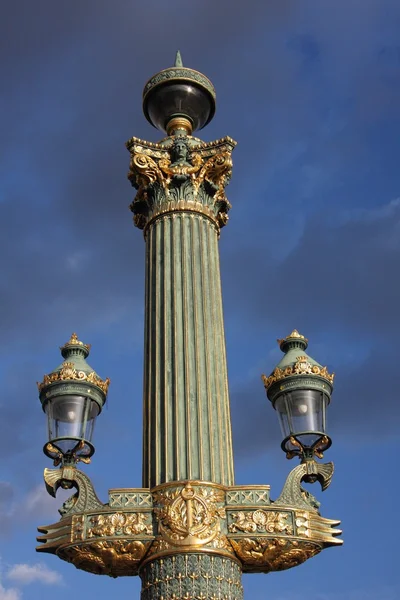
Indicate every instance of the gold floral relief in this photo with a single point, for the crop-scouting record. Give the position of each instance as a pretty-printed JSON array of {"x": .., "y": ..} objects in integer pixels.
[
  {"x": 112, "y": 557},
  {"x": 119, "y": 524},
  {"x": 262, "y": 521},
  {"x": 259, "y": 554},
  {"x": 301, "y": 367},
  {"x": 68, "y": 372}
]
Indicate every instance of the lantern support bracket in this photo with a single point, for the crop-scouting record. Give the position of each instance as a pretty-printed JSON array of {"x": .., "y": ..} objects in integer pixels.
[{"x": 293, "y": 494}]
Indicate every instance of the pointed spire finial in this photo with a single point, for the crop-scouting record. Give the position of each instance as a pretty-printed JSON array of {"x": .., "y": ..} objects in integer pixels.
[{"x": 178, "y": 59}]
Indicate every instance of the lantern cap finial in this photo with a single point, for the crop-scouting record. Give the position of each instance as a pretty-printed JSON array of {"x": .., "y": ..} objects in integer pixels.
[
  {"x": 74, "y": 343},
  {"x": 178, "y": 59},
  {"x": 293, "y": 340}
]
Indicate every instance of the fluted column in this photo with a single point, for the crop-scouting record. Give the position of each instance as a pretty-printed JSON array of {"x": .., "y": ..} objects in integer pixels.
[
  {"x": 181, "y": 206},
  {"x": 187, "y": 429}
]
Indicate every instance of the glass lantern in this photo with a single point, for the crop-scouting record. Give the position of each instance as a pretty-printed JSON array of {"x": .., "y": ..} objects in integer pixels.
[
  {"x": 72, "y": 396},
  {"x": 302, "y": 416},
  {"x": 70, "y": 422}
]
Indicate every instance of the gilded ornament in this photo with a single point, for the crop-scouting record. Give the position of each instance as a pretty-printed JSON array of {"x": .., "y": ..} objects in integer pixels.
[
  {"x": 186, "y": 176},
  {"x": 68, "y": 372},
  {"x": 78, "y": 528},
  {"x": 189, "y": 516},
  {"x": 119, "y": 524},
  {"x": 112, "y": 557},
  {"x": 301, "y": 367},
  {"x": 261, "y": 521},
  {"x": 314, "y": 527},
  {"x": 260, "y": 554},
  {"x": 74, "y": 341}
]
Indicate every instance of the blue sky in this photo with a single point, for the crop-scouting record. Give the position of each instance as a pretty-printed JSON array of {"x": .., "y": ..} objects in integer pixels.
[{"x": 311, "y": 92}]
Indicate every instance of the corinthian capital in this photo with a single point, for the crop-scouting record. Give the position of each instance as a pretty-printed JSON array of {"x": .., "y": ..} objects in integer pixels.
[{"x": 180, "y": 173}]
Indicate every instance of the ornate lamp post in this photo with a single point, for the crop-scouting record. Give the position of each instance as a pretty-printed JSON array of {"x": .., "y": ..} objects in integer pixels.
[{"x": 189, "y": 532}]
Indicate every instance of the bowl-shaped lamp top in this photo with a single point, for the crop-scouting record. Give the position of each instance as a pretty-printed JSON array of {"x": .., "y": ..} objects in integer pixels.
[{"x": 179, "y": 92}]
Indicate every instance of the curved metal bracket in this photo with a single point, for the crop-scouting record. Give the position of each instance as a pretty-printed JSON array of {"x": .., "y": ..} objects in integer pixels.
[
  {"x": 293, "y": 494},
  {"x": 70, "y": 477}
]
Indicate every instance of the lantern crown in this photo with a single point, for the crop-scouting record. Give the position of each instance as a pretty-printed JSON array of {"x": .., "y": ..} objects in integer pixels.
[
  {"x": 74, "y": 372},
  {"x": 297, "y": 369}
]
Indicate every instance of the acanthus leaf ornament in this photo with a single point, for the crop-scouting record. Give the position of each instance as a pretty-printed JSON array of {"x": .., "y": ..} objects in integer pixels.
[{"x": 182, "y": 175}]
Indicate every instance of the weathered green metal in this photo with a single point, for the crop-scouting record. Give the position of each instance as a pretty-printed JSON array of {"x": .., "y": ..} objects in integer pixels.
[
  {"x": 297, "y": 370},
  {"x": 181, "y": 206},
  {"x": 74, "y": 376},
  {"x": 178, "y": 59},
  {"x": 192, "y": 575}
]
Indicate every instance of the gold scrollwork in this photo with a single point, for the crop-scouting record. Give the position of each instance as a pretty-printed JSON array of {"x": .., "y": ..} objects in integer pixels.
[
  {"x": 144, "y": 170},
  {"x": 194, "y": 173},
  {"x": 261, "y": 521},
  {"x": 78, "y": 528},
  {"x": 189, "y": 516},
  {"x": 301, "y": 367},
  {"x": 111, "y": 557},
  {"x": 264, "y": 555},
  {"x": 68, "y": 372},
  {"x": 119, "y": 524}
]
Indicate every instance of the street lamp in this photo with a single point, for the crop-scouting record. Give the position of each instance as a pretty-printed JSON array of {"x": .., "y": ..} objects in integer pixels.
[
  {"x": 189, "y": 532},
  {"x": 72, "y": 397},
  {"x": 300, "y": 391}
]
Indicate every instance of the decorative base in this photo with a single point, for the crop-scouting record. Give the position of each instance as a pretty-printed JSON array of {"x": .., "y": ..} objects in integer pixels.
[
  {"x": 191, "y": 536},
  {"x": 192, "y": 577}
]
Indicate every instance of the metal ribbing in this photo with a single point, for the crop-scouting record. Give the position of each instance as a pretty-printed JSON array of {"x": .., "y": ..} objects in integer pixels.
[{"x": 187, "y": 430}]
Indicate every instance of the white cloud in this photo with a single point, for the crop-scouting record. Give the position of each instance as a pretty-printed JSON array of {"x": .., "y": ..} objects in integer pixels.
[
  {"x": 38, "y": 504},
  {"x": 9, "y": 593},
  {"x": 24, "y": 574}
]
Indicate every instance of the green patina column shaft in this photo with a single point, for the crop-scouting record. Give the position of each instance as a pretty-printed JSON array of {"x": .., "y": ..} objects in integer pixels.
[
  {"x": 187, "y": 429},
  {"x": 181, "y": 206}
]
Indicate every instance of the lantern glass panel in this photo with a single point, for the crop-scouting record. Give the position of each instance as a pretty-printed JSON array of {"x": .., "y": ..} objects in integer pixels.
[
  {"x": 70, "y": 419},
  {"x": 302, "y": 413}
]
